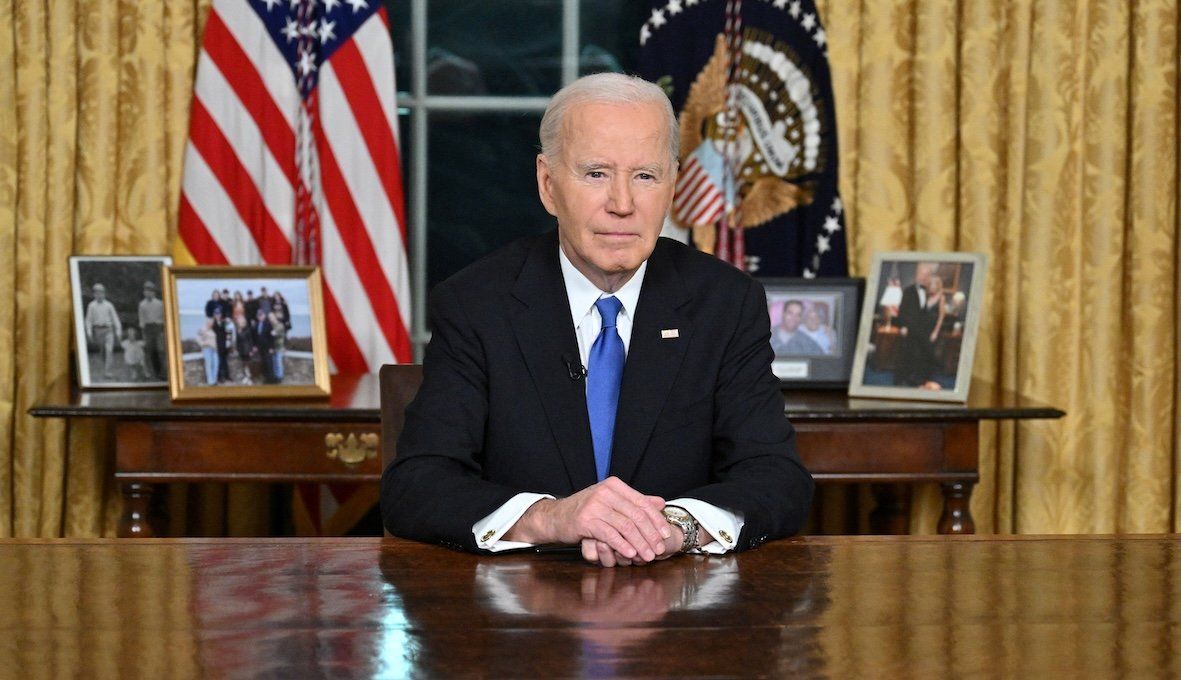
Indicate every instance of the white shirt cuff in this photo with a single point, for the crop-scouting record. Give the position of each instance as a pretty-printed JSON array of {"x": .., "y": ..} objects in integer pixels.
[
  {"x": 489, "y": 530},
  {"x": 723, "y": 525}
]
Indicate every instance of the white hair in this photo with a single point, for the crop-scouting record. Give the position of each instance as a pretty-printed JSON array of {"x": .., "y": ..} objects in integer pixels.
[{"x": 605, "y": 88}]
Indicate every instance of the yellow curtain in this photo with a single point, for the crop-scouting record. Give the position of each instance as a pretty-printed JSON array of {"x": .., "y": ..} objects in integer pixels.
[
  {"x": 1043, "y": 133},
  {"x": 94, "y": 104}
]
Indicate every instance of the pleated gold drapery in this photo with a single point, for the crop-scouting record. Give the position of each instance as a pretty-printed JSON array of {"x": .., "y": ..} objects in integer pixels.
[
  {"x": 94, "y": 105},
  {"x": 1041, "y": 133}
]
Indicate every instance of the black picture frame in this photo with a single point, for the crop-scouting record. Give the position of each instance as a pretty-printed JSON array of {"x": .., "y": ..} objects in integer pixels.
[
  {"x": 819, "y": 353},
  {"x": 118, "y": 350}
]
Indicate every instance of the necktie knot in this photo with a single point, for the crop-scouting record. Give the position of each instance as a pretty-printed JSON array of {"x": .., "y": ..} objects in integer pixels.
[{"x": 608, "y": 309}]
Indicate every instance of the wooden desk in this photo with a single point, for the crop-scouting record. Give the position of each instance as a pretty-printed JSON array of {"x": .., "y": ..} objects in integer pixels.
[
  {"x": 847, "y": 607},
  {"x": 840, "y": 439}
]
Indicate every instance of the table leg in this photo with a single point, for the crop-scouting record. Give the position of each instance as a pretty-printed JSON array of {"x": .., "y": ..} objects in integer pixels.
[
  {"x": 957, "y": 515},
  {"x": 137, "y": 499},
  {"x": 891, "y": 512}
]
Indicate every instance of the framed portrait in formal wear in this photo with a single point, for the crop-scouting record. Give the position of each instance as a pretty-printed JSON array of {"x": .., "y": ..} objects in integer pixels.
[
  {"x": 119, "y": 320},
  {"x": 813, "y": 328},
  {"x": 919, "y": 321},
  {"x": 245, "y": 332}
]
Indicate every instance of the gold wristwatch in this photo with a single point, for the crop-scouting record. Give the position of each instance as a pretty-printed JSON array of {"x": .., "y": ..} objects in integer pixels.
[{"x": 680, "y": 518}]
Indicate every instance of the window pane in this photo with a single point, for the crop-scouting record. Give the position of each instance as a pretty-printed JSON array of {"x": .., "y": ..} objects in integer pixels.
[
  {"x": 609, "y": 35},
  {"x": 399, "y": 13},
  {"x": 405, "y": 149},
  {"x": 506, "y": 47},
  {"x": 483, "y": 188}
]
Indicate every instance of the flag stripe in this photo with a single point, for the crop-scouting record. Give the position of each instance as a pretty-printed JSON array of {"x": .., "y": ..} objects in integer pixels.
[
  {"x": 359, "y": 171},
  {"x": 345, "y": 353},
  {"x": 219, "y": 154},
  {"x": 357, "y": 89},
  {"x": 197, "y": 239},
  {"x": 244, "y": 139},
  {"x": 217, "y": 212},
  {"x": 371, "y": 43},
  {"x": 219, "y": 45},
  {"x": 261, "y": 54},
  {"x": 360, "y": 249},
  {"x": 358, "y": 317}
]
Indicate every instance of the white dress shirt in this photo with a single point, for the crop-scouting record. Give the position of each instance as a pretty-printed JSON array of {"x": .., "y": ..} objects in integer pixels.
[{"x": 582, "y": 295}]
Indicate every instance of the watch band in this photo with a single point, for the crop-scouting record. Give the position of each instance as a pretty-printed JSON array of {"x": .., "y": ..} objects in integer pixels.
[{"x": 680, "y": 518}]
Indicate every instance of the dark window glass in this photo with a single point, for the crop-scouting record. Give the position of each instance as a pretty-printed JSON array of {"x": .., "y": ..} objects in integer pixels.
[
  {"x": 399, "y": 13},
  {"x": 609, "y": 35},
  {"x": 482, "y": 188},
  {"x": 506, "y": 47}
]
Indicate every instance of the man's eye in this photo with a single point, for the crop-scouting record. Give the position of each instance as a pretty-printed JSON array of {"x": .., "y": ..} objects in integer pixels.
[
  {"x": 596, "y": 174},
  {"x": 646, "y": 176}
]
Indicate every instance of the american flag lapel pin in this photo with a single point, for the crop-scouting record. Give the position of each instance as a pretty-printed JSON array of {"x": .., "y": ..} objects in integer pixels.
[{"x": 670, "y": 333}]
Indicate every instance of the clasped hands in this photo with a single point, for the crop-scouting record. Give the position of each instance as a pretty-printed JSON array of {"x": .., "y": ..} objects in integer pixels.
[{"x": 614, "y": 524}]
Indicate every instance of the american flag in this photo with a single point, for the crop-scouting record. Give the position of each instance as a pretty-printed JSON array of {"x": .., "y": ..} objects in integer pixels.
[
  {"x": 293, "y": 157},
  {"x": 698, "y": 198}
]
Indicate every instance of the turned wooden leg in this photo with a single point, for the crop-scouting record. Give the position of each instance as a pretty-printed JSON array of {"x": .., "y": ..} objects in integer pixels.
[
  {"x": 891, "y": 512},
  {"x": 957, "y": 516},
  {"x": 137, "y": 498}
]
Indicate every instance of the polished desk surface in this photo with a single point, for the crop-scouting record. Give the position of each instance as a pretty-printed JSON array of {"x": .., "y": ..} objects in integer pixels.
[
  {"x": 356, "y": 398},
  {"x": 814, "y": 607}
]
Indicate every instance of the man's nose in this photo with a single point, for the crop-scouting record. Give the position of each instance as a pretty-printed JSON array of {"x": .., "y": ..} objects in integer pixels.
[{"x": 619, "y": 198}]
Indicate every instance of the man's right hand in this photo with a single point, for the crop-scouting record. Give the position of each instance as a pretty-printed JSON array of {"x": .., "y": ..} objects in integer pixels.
[{"x": 610, "y": 512}]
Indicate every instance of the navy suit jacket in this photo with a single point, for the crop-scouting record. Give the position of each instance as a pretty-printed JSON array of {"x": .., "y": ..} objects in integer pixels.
[{"x": 700, "y": 414}]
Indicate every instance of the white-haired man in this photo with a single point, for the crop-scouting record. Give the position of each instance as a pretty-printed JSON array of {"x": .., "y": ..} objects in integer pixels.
[{"x": 597, "y": 386}]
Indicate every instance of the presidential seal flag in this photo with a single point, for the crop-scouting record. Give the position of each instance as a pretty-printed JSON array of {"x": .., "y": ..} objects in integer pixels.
[{"x": 751, "y": 85}]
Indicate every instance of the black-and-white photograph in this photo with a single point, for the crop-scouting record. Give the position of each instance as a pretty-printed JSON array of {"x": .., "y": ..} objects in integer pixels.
[{"x": 119, "y": 320}]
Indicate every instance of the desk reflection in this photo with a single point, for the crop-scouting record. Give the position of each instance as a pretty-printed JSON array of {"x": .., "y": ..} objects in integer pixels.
[
  {"x": 552, "y": 616},
  {"x": 840, "y": 607}
]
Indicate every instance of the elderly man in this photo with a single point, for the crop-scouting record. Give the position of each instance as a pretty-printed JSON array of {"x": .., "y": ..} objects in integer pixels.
[
  {"x": 597, "y": 386},
  {"x": 915, "y": 362}
]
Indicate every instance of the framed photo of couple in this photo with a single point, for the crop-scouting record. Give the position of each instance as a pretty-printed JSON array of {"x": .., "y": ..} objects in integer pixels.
[
  {"x": 245, "y": 332},
  {"x": 919, "y": 321}
]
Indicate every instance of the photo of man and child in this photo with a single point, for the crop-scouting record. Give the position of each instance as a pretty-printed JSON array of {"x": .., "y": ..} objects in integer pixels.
[
  {"x": 119, "y": 319},
  {"x": 255, "y": 331}
]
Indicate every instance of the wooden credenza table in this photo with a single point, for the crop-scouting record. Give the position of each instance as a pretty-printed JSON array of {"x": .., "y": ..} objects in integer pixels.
[
  {"x": 841, "y": 439},
  {"x": 841, "y": 607}
]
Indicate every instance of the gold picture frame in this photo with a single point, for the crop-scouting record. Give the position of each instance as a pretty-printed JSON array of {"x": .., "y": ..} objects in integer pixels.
[{"x": 273, "y": 345}]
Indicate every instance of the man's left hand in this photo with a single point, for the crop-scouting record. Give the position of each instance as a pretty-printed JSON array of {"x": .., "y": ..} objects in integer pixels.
[{"x": 598, "y": 552}]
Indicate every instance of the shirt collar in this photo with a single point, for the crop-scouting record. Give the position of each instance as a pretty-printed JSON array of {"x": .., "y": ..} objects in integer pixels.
[{"x": 582, "y": 294}]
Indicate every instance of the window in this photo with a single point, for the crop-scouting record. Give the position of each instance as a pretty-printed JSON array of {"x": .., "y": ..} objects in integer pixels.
[{"x": 474, "y": 78}]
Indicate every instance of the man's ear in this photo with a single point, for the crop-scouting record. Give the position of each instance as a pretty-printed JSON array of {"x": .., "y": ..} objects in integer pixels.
[{"x": 545, "y": 184}]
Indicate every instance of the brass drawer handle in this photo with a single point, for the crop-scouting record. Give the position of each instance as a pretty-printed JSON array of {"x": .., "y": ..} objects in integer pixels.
[{"x": 351, "y": 450}]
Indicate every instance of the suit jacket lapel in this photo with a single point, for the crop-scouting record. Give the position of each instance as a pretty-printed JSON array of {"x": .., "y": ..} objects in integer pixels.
[
  {"x": 546, "y": 338},
  {"x": 653, "y": 362}
]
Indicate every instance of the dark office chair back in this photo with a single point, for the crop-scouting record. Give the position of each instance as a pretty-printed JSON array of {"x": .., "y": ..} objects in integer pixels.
[{"x": 399, "y": 384}]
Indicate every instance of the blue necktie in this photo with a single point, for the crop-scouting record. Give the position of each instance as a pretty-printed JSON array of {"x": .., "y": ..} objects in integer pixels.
[{"x": 603, "y": 375}]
